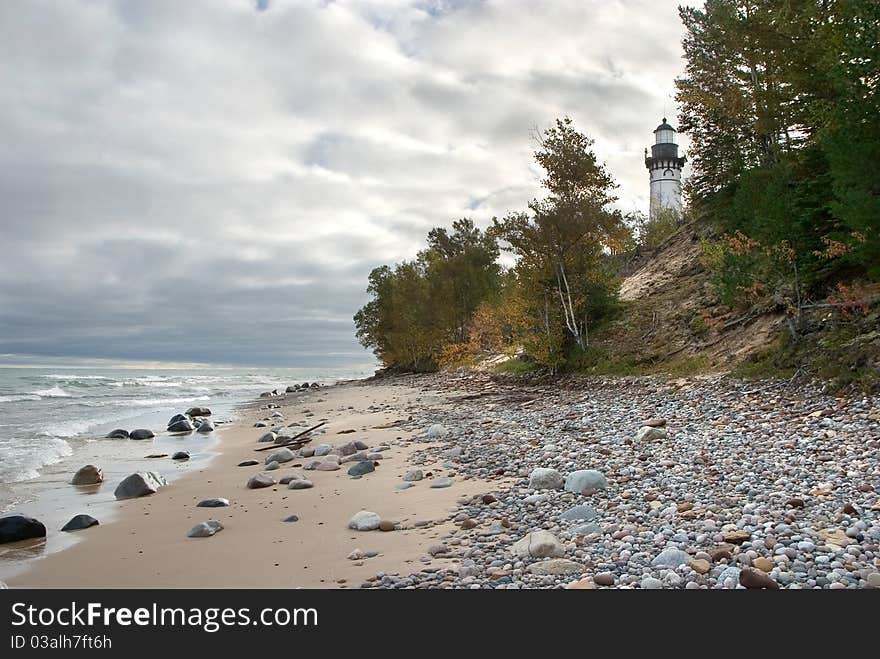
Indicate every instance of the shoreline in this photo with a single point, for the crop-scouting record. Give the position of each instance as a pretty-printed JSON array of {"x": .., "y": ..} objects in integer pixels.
[
  {"x": 167, "y": 558},
  {"x": 740, "y": 484}
]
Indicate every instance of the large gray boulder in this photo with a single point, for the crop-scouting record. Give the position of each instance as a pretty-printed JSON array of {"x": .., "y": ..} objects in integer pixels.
[
  {"x": 88, "y": 475},
  {"x": 79, "y": 522},
  {"x": 267, "y": 438},
  {"x": 184, "y": 425},
  {"x": 260, "y": 481},
  {"x": 119, "y": 433},
  {"x": 14, "y": 528},
  {"x": 205, "y": 529},
  {"x": 141, "y": 433},
  {"x": 361, "y": 468},
  {"x": 140, "y": 484},
  {"x": 585, "y": 479},
  {"x": 280, "y": 456},
  {"x": 364, "y": 521},
  {"x": 543, "y": 478},
  {"x": 650, "y": 433},
  {"x": 538, "y": 544},
  {"x": 198, "y": 411},
  {"x": 206, "y": 426}
]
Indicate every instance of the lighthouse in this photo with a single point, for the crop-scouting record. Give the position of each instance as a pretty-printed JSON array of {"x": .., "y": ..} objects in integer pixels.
[{"x": 664, "y": 166}]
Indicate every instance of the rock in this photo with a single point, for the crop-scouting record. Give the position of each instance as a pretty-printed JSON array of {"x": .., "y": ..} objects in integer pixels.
[
  {"x": 198, "y": 411},
  {"x": 272, "y": 466},
  {"x": 650, "y": 583},
  {"x": 356, "y": 555},
  {"x": 266, "y": 438},
  {"x": 441, "y": 482},
  {"x": 88, "y": 475},
  {"x": 291, "y": 518},
  {"x": 79, "y": 522},
  {"x": 141, "y": 433},
  {"x": 300, "y": 484},
  {"x": 835, "y": 537},
  {"x": 586, "y": 529},
  {"x": 604, "y": 579},
  {"x": 360, "y": 446},
  {"x": 756, "y": 579},
  {"x": 555, "y": 567},
  {"x": 413, "y": 475},
  {"x": 248, "y": 463},
  {"x": 538, "y": 544},
  {"x": 436, "y": 431},
  {"x": 177, "y": 418},
  {"x": 328, "y": 466},
  {"x": 213, "y": 503},
  {"x": 361, "y": 468},
  {"x": 584, "y": 584},
  {"x": 260, "y": 481},
  {"x": 403, "y": 486},
  {"x": 700, "y": 565},
  {"x": 649, "y": 433},
  {"x": 671, "y": 557},
  {"x": 387, "y": 525},
  {"x": 737, "y": 537},
  {"x": 280, "y": 456},
  {"x": 580, "y": 513},
  {"x": 763, "y": 564},
  {"x": 206, "y": 426},
  {"x": 153, "y": 456},
  {"x": 720, "y": 553},
  {"x": 322, "y": 449},
  {"x": 873, "y": 580},
  {"x": 139, "y": 484},
  {"x": 119, "y": 433},
  {"x": 455, "y": 452},
  {"x": 20, "y": 527},
  {"x": 346, "y": 449},
  {"x": 795, "y": 503},
  {"x": 205, "y": 529},
  {"x": 185, "y": 425},
  {"x": 307, "y": 451},
  {"x": 543, "y": 478},
  {"x": 180, "y": 455},
  {"x": 436, "y": 550},
  {"x": 285, "y": 480},
  {"x": 585, "y": 479},
  {"x": 364, "y": 521},
  {"x": 655, "y": 422}
]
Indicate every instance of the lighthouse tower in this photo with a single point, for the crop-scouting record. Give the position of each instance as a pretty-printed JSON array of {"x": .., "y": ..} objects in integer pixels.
[{"x": 664, "y": 165}]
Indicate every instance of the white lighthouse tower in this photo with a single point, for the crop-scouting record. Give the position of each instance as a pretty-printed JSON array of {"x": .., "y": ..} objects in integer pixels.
[{"x": 664, "y": 166}]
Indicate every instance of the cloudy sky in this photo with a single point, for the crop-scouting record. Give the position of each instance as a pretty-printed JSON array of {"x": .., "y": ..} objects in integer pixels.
[{"x": 213, "y": 180}]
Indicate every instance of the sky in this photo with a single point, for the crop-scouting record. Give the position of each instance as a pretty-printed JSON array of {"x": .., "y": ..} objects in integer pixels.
[{"x": 212, "y": 181}]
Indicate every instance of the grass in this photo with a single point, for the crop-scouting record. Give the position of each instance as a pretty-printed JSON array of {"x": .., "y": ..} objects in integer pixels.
[{"x": 515, "y": 366}]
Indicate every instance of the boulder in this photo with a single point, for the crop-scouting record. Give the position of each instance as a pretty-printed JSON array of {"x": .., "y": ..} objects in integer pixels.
[
  {"x": 364, "y": 521},
  {"x": 205, "y": 529},
  {"x": 327, "y": 465},
  {"x": 556, "y": 566},
  {"x": 538, "y": 544},
  {"x": 198, "y": 411},
  {"x": 88, "y": 475},
  {"x": 361, "y": 446},
  {"x": 184, "y": 425},
  {"x": 585, "y": 479},
  {"x": 299, "y": 484},
  {"x": 248, "y": 463},
  {"x": 141, "y": 433},
  {"x": 260, "y": 481},
  {"x": 347, "y": 449},
  {"x": 139, "y": 484},
  {"x": 213, "y": 503},
  {"x": 436, "y": 431},
  {"x": 180, "y": 455},
  {"x": 756, "y": 579},
  {"x": 671, "y": 557},
  {"x": 361, "y": 468},
  {"x": 655, "y": 422},
  {"x": 267, "y": 438},
  {"x": 79, "y": 522},
  {"x": 272, "y": 466},
  {"x": 322, "y": 449},
  {"x": 206, "y": 426},
  {"x": 176, "y": 418},
  {"x": 650, "y": 433},
  {"x": 281, "y": 455},
  {"x": 291, "y": 389},
  {"x": 441, "y": 483},
  {"x": 20, "y": 527},
  {"x": 413, "y": 475},
  {"x": 266, "y": 394},
  {"x": 119, "y": 433},
  {"x": 543, "y": 478}
]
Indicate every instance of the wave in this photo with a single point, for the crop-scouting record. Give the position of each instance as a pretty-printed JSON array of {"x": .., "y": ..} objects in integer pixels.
[
  {"x": 54, "y": 392},
  {"x": 56, "y": 376},
  {"x": 17, "y": 398},
  {"x": 23, "y": 460}
]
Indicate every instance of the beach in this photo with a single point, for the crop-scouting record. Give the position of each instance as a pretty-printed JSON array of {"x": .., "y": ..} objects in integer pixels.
[{"x": 641, "y": 482}]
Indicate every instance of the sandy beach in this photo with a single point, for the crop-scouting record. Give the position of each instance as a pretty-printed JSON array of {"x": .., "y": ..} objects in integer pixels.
[{"x": 146, "y": 544}]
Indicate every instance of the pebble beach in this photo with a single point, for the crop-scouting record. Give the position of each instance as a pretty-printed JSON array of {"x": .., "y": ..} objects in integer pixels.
[{"x": 461, "y": 480}]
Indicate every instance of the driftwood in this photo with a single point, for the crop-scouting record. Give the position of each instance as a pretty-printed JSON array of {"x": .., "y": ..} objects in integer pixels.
[{"x": 296, "y": 439}]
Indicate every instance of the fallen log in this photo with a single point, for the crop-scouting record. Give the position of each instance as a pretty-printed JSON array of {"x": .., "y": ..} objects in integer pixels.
[{"x": 296, "y": 439}]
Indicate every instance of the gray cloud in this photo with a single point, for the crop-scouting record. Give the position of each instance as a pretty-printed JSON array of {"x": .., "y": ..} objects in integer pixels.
[{"x": 212, "y": 182}]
